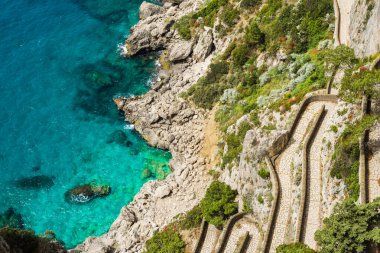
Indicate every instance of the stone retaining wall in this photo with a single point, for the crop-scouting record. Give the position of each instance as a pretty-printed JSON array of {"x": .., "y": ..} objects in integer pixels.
[
  {"x": 202, "y": 237},
  {"x": 275, "y": 193},
  {"x": 227, "y": 232},
  {"x": 305, "y": 180}
]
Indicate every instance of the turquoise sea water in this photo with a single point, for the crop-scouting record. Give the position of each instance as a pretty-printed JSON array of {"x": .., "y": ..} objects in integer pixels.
[{"x": 59, "y": 71}]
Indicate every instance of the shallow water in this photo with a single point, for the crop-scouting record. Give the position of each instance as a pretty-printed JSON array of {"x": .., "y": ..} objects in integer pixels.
[{"x": 60, "y": 70}]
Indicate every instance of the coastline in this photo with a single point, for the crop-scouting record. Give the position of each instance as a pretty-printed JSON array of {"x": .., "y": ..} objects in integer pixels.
[{"x": 168, "y": 122}]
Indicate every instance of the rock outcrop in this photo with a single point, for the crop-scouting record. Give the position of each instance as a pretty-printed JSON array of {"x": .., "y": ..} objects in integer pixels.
[
  {"x": 359, "y": 25},
  {"x": 149, "y": 9}
]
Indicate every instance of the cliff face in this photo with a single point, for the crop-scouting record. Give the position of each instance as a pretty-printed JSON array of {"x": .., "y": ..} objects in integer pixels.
[{"x": 359, "y": 25}]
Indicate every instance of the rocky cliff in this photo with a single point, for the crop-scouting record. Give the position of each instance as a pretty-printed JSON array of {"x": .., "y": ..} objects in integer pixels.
[{"x": 359, "y": 25}]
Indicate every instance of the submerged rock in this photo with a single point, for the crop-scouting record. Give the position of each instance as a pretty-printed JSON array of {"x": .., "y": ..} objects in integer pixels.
[
  {"x": 118, "y": 137},
  {"x": 35, "y": 182},
  {"x": 10, "y": 218},
  {"x": 87, "y": 192}
]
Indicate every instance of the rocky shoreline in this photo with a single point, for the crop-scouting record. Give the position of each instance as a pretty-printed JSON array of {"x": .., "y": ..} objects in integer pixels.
[{"x": 168, "y": 122}]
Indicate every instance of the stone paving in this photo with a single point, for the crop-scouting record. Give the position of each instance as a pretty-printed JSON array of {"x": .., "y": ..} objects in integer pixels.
[
  {"x": 283, "y": 168},
  {"x": 211, "y": 239},
  {"x": 374, "y": 163},
  {"x": 313, "y": 206},
  {"x": 240, "y": 228}
]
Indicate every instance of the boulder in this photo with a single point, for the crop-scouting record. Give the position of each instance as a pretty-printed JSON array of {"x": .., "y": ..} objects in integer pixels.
[
  {"x": 87, "y": 192},
  {"x": 204, "y": 45},
  {"x": 35, "y": 182},
  {"x": 180, "y": 51},
  {"x": 163, "y": 191},
  {"x": 149, "y": 9}
]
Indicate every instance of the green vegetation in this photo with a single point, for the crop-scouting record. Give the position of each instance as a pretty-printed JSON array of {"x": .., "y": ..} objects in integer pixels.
[
  {"x": 229, "y": 15},
  {"x": 355, "y": 85},
  {"x": 183, "y": 27},
  {"x": 235, "y": 144},
  {"x": 26, "y": 241},
  {"x": 260, "y": 199},
  {"x": 165, "y": 241},
  {"x": 247, "y": 208},
  {"x": 294, "y": 248},
  {"x": 350, "y": 228},
  {"x": 263, "y": 172},
  {"x": 210, "y": 87},
  {"x": 218, "y": 204},
  {"x": 341, "y": 56},
  {"x": 208, "y": 13},
  {"x": 346, "y": 154},
  {"x": 191, "y": 219},
  {"x": 250, "y": 3}
]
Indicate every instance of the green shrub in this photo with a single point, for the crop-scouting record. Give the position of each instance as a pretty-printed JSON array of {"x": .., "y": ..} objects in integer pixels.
[
  {"x": 229, "y": 15},
  {"x": 294, "y": 248},
  {"x": 264, "y": 173},
  {"x": 334, "y": 128},
  {"x": 218, "y": 204},
  {"x": 260, "y": 199},
  {"x": 250, "y": 3},
  {"x": 165, "y": 241},
  {"x": 191, "y": 219},
  {"x": 240, "y": 55},
  {"x": 253, "y": 35},
  {"x": 347, "y": 153},
  {"x": 342, "y": 56},
  {"x": 355, "y": 85},
  {"x": 183, "y": 27},
  {"x": 209, "y": 11},
  {"x": 247, "y": 208},
  {"x": 234, "y": 143},
  {"x": 350, "y": 228}
]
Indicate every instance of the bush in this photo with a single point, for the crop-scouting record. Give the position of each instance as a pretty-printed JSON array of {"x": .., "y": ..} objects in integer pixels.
[
  {"x": 263, "y": 173},
  {"x": 229, "y": 15},
  {"x": 250, "y": 3},
  {"x": 165, "y": 241},
  {"x": 234, "y": 143},
  {"x": 351, "y": 228},
  {"x": 354, "y": 86},
  {"x": 240, "y": 55},
  {"x": 192, "y": 219},
  {"x": 183, "y": 27},
  {"x": 253, "y": 35},
  {"x": 294, "y": 248},
  {"x": 346, "y": 154},
  {"x": 342, "y": 56},
  {"x": 218, "y": 204}
]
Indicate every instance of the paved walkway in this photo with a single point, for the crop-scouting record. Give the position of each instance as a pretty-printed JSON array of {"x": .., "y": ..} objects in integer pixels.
[
  {"x": 240, "y": 228},
  {"x": 313, "y": 208},
  {"x": 211, "y": 239},
  {"x": 283, "y": 168},
  {"x": 374, "y": 163}
]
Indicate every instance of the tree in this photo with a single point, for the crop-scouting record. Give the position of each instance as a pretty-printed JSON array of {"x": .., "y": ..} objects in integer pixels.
[
  {"x": 350, "y": 228},
  {"x": 218, "y": 203},
  {"x": 341, "y": 56},
  {"x": 254, "y": 36},
  {"x": 355, "y": 85},
  {"x": 166, "y": 241},
  {"x": 294, "y": 248}
]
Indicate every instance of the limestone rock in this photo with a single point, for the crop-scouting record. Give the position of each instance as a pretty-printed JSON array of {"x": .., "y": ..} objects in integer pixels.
[
  {"x": 163, "y": 191},
  {"x": 204, "y": 45},
  {"x": 180, "y": 51},
  {"x": 149, "y": 9}
]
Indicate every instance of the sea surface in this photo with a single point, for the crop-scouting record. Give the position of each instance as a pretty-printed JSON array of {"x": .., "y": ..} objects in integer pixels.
[{"x": 60, "y": 68}]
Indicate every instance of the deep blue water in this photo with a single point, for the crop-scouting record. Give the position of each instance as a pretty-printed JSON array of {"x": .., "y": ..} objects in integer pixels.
[{"x": 59, "y": 71}]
